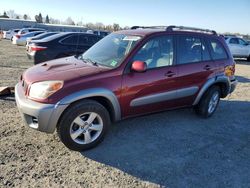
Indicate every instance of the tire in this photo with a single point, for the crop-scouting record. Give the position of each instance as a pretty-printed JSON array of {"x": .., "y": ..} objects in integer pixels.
[
  {"x": 248, "y": 59},
  {"x": 83, "y": 125},
  {"x": 209, "y": 102}
]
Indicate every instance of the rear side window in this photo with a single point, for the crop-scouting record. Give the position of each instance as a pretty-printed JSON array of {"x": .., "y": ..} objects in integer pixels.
[
  {"x": 217, "y": 50},
  {"x": 72, "y": 40},
  {"x": 233, "y": 41},
  {"x": 93, "y": 40},
  {"x": 191, "y": 49}
]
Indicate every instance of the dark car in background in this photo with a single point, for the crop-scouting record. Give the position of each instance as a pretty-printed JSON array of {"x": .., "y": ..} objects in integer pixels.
[
  {"x": 60, "y": 45},
  {"x": 39, "y": 37}
]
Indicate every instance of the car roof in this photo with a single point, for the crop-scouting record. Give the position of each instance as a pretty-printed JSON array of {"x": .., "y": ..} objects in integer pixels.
[
  {"x": 32, "y": 32},
  {"x": 144, "y": 32},
  {"x": 59, "y": 35}
]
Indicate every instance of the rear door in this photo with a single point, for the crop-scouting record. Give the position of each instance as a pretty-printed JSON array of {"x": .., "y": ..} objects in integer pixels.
[
  {"x": 245, "y": 47},
  {"x": 69, "y": 45},
  {"x": 154, "y": 89},
  {"x": 194, "y": 66},
  {"x": 234, "y": 47}
]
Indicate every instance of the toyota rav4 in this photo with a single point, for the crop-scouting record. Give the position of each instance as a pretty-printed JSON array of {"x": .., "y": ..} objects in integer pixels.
[{"x": 128, "y": 73}]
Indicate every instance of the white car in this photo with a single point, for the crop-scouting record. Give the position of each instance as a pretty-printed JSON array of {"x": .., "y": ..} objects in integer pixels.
[
  {"x": 239, "y": 47},
  {"x": 9, "y": 34},
  {"x": 20, "y": 40},
  {"x": 28, "y": 30}
]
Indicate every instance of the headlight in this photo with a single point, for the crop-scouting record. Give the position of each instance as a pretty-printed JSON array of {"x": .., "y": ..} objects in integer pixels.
[{"x": 42, "y": 90}]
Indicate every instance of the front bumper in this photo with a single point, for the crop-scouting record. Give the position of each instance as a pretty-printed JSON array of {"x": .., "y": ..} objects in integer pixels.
[{"x": 39, "y": 116}]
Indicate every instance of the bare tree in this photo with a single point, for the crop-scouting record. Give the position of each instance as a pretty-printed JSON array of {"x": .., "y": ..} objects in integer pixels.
[
  {"x": 11, "y": 14},
  {"x": 69, "y": 21},
  {"x": 116, "y": 27}
]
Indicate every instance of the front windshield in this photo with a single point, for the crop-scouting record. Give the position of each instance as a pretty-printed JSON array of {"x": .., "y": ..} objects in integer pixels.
[{"x": 111, "y": 50}]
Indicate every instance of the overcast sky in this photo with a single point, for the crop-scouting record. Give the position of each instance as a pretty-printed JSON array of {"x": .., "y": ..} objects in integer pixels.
[{"x": 220, "y": 15}]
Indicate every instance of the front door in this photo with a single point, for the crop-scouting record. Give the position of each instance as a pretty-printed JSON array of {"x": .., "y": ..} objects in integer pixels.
[{"x": 154, "y": 89}]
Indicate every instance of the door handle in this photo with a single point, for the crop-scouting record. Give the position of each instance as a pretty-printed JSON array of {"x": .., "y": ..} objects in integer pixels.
[
  {"x": 169, "y": 74},
  {"x": 207, "y": 67}
]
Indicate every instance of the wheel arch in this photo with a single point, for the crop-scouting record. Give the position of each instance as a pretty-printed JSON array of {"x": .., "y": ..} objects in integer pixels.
[
  {"x": 105, "y": 97},
  {"x": 221, "y": 81}
]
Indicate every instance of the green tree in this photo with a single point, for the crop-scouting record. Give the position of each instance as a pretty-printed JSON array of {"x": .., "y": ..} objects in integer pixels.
[
  {"x": 4, "y": 15},
  {"x": 25, "y": 16},
  {"x": 39, "y": 18},
  {"x": 47, "y": 19}
]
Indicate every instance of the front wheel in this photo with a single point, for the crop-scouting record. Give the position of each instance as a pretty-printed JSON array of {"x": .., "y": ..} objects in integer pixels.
[
  {"x": 209, "y": 102},
  {"x": 83, "y": 125}
]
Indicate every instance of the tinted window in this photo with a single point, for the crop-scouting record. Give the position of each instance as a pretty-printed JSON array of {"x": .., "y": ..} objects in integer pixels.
[
  {"x": 233, "y": 41},
  {"x": 83, "y": 40},
  {"x": 157, "y": 52},
  {"x": 205, "y": 52},
  {"x": 72, "y": 40},
  {"x": 189, "y": 50},
  {"x": 93, "y": 39},
  {"x": 218, "y": 51}
]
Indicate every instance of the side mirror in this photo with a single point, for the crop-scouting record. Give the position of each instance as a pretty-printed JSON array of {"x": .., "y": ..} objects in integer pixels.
[{"x": 139, "y": 66}]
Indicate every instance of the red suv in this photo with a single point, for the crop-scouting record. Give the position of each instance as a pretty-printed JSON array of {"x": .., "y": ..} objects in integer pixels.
[{"x": 128, "y": 73}]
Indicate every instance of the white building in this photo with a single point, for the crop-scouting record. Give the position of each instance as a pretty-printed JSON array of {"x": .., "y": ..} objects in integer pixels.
[{"x": 7, "y": 24}]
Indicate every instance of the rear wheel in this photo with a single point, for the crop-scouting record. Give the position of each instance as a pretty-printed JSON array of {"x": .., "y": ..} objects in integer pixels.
[
  {"x": 209, "y": 102},
  {"x": 83, "y": 125}
]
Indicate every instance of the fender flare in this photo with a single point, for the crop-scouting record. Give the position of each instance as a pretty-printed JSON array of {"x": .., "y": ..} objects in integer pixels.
[
  {"x": 94, "y": 92},
  {"x": 218, "y": 79}
]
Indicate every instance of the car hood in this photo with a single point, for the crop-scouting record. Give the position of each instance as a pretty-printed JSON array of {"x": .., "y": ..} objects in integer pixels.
[{"x": 61, "y": 69}]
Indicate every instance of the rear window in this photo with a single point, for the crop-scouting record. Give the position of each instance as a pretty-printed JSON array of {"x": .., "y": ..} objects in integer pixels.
[{"x": 217, "y": 50}]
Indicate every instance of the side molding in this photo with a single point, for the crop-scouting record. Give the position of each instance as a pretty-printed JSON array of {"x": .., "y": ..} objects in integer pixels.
[
  {"x": 159, "y": 97},
  {"x": 211, "y": 81},
  {"x": 94, "y": 92}
]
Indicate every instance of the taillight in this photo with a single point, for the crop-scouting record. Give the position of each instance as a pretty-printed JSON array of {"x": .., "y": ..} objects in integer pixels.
[
  {"x": 230, "y": 70},
  {"x": 18, "y": 36},
  {"x": 37, "y": 48}
]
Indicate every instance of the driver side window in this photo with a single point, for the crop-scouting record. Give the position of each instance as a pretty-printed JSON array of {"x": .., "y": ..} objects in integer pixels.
[{"x": 157, "y": 52}]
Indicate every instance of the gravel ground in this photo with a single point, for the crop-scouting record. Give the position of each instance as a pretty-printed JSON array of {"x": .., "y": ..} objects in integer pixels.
[{"x": 169, "y": 149}]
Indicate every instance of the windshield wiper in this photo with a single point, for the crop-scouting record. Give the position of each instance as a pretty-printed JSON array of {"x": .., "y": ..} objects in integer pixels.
[{"x": 90, "y": 61}]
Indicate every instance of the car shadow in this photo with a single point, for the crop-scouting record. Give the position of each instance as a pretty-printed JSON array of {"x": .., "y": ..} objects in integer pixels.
[
  {"x": 178, "y": 149},
  {"x": 242, "y": 79},
  {"x": 242, "y": 61}
]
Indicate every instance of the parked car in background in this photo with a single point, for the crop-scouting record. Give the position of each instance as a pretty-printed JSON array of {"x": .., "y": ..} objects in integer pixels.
[
  {"x": 98, "y": 32},
  {"x": 20, "y": 40},
  {"x": 38, "y": 37},
  {"x": 10, "y": 33},
  {"x": 126, "y": 74},
  {"x": 60, "y": 45},
  {"x": 238, "y": 47},
  {"x": 27, "y": 30}
]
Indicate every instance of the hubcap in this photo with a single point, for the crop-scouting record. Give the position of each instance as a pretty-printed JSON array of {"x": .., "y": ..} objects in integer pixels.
[
  {"x": 213, "y": 102},
  {"x": 86, "y": 128}
]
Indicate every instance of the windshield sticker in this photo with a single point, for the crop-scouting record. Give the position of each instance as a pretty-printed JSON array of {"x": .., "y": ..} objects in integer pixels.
[
  {"x": 113, "y": 63},
  {"x": 131, "y": 38}
]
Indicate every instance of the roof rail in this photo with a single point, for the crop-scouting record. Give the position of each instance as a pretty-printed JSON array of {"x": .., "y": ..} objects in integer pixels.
[
  {"x": 148, "y": 27},
  {"x": 172, "y": 27}
]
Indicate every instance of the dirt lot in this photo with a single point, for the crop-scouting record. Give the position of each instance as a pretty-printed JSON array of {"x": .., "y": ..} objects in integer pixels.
[{"x": 170, "y": 149}]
